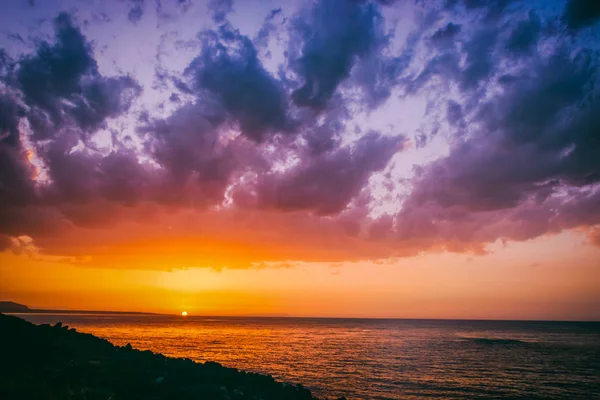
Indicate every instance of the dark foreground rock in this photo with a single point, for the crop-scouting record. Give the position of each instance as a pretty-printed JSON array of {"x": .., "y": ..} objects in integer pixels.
[{"x": 55, "y": 362}]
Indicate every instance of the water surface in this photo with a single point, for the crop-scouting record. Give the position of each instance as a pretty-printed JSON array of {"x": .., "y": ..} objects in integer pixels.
[{"x": 377, "y": 359}]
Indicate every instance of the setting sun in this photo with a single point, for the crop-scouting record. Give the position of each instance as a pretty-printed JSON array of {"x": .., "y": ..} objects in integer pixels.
[{"x": 184, "y": 313}]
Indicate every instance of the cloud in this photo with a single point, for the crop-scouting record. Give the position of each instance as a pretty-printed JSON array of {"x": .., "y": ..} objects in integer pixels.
[
  {"x": 479, "y": 59},
  {"x": 229, "y": 68},
  {"x": 525, "y": 36},
  {"x": 61, "y": 83},
  {"x": 247, "y": 161},
  {"x": 9, "y": 119},
  {"x": 23, "y": 245},
  {"x": 136, "y": 12},
  {"x": 326, "y": 184},
  {"x": 62, "y": 96},
  {"x": 268, "y": 28},
  {"x": 446, "y": 33},
  {"x": 454, "y": 113},
  {"x": 526, "y": 165},
  {"x": 16, "y": 187},
  {"x": 327, "y": 39},
  {"x": 6, "y": 65},
  {"x": 104, "y": 98},
  {"x": 492, "y": 9},
  {"x": 196, "y": 163},
  {"x": 580, "y": 13},
  {"x": 220, "y": 9}
]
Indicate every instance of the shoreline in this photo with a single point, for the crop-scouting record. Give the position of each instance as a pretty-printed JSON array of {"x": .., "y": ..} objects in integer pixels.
[{"x": 55, "y": 361}]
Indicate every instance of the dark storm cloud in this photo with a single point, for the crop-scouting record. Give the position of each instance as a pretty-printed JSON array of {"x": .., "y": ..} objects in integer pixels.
[
  {"x": 377, "y": 76},
  {"x": 55, "y": 71},
  {"x": 581, "y": 13},
  {"x": 525, "y": 36},
  {"x": 537, "y": 141},
  {"x": 10, "y": 114},
  {"x": 230, "y": 69},
  {"x": 194, "y": 164},
  {"x": 333, "y": 36},
  {"x": 117, "y": 176},
  {"x": 327, "y": 183},
  {"x": 136, "y": 11},
  {"x": 61, "y": 82},
  {"x": 16, "y": 186},
  {"x": 15, "y": 173},
  {"x": 63, "y": 97},
  {"x": 524, "y": 161},
  {"x": 6, "y": 65},
  {"x": 67, "y": 98},
  {"x": 103, "y": 98},
  {"x": 492, "y": 9},
  {"x": 479, "y": 59},
  {"x": 471, "y": 54},
  {"x": 326, "y": 137},
  {"x": 62, "y": 162}
]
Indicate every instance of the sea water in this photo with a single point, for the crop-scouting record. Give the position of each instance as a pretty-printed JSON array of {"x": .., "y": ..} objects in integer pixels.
[{"x": 376, "y": 358}]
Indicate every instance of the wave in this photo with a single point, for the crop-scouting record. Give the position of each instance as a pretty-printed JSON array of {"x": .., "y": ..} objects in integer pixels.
[{"x": 492, "y": 341}]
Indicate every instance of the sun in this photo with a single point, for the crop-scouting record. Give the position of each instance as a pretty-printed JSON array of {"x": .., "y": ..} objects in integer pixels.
[{"x": 184, "y": 313}]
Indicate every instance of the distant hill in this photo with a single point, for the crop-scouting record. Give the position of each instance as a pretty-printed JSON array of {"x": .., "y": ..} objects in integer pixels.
[
  {"x": 16, "y": 308},
  {"x": 11, "y": 306}
]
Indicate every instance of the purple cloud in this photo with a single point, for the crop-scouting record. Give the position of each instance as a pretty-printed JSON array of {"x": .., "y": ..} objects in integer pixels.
[
  {"x": 333, "y": 36},
  {"x": 327, "y": 183},
  {"x": 230, "y": 69},
  {"x": 513, "y": 97}
]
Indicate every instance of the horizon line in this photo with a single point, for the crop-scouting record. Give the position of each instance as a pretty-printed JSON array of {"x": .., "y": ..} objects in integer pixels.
[{"x": 156, "y": 314}]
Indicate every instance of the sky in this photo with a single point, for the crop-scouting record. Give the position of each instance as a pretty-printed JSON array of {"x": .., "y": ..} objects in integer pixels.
[{"x": 335, "y": 158}]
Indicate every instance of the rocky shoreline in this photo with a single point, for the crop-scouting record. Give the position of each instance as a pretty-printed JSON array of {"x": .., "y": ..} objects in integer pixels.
[{"x": 57, "y": 362}]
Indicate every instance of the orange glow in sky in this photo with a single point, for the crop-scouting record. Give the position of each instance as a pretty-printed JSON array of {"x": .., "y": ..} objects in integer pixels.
[{"x": 555, "y": 277}]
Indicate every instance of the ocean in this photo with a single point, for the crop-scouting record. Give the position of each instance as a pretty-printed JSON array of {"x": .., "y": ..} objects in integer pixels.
[{"x": 376, "y": 358}]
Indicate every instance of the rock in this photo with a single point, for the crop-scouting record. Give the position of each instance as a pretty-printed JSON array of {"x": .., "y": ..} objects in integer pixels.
[{"x": 43, "y": 363}]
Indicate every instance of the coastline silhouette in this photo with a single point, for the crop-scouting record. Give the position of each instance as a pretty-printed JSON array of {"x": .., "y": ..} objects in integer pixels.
[{"x": 65, "y": 364}]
